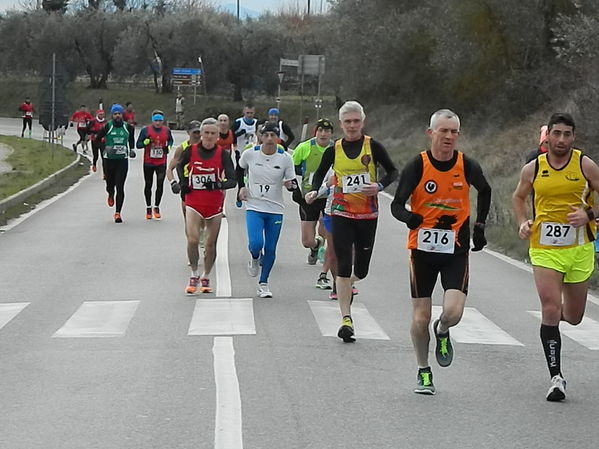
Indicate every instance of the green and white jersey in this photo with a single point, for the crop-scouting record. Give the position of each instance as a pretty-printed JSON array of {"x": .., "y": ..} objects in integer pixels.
[
  {"x": 308, "y": 155},
  {"x": 117, "y": 142}
]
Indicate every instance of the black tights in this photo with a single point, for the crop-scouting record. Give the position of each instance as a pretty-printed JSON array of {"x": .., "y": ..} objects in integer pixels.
[
  {"x": 97, "y": 149},
  {"x": 353, "y": 241},
  {"x": 26, "y": 122},
  {"x": 149, "y": 171},
  {"x": 116, "y": 174}
]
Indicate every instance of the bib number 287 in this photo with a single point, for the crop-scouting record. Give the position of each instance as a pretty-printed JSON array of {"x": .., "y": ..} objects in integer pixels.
[{"x": 557, "y": 234}]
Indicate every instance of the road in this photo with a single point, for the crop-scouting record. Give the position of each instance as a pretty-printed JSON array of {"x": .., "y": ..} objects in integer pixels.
[{"x": 101, "y": 348}]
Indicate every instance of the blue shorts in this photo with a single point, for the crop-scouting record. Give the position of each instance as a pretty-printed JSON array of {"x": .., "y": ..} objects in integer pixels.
[{"x": 327, "y": 223}]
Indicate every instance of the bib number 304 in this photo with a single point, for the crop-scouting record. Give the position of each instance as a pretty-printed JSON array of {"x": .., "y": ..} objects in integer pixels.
[
  {"x": 354, "y": 183},
  {"x": 436, "y": 240},
  {"x": 557, "y": 234}
]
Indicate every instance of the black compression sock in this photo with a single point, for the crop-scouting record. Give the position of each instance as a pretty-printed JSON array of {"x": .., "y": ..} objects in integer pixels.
[{"x": 552, "y": 346}]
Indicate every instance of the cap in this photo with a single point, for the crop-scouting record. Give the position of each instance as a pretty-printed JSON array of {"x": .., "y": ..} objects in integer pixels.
[
  {"x": 117, "y": 108},
  {"x": 543, "y": 136},
  {"x": 324, "y": 123},
  {"x": 194, "y": 125},
  {"x": 269, "y": 127},
  {"x": 273, "y": 111},
  {"x": 100, "y": 111},
  {"x": 157, "y": 117}
]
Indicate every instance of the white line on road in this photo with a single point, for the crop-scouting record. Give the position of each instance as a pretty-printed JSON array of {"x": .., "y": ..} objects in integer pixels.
[
  {"x": 328, "y": 318},
  {"x": 99, "y": 319},
  {"x": 223, "y": 274},
  {"x": 477, "y": 328},
  {"x": 586, "y": 333},
  {"x": 228, "y": 430},
  {"x": 221, "y": 316},
  {"x": 10, "y": 310}
]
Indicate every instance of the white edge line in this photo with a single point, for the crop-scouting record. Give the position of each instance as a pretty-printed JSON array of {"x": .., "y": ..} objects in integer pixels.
[{"x": 228, "y": 427}]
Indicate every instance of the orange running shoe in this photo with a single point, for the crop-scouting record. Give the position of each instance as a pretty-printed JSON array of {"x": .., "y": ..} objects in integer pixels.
[
  {"x": 157, "y": 215},
  {"x": 117, "y": 218},
  {"x": 93, "y": 167},
  {"x": 148, "y": 213},
  {"x": 192, "y": 286},
  {"x": 110, "y": 201},
  {"x": 205, "y": 285}
]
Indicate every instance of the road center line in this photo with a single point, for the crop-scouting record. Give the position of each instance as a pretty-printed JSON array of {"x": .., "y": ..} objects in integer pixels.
[
  {"x": 227, "y": 432},
  {"x": 223, "y": 274}
]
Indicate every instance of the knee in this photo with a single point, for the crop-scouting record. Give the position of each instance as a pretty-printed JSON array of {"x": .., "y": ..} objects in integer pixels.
[
  {"x": 421, "y": 319},
  {"x": 551, "y": 313}
]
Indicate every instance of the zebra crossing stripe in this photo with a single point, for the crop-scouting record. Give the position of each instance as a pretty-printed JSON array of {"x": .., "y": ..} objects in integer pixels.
[
  {"x": 223, "y": 316},
  {"x": 475, "y": 328},
  {"x": 328, "y": 318},
  {"x": 586, "y": 333},
  {"x": 99, "y": 319},
  {"x": 10, "y": 310}
]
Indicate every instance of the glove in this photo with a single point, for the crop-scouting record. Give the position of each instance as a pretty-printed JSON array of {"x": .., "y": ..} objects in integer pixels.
[
  {"x": 175, "y": 187},
  {"x": 71, "y": 124},
  {"x": 297, "y": 196},
  {"x": 213, "y": 185},
  {"x": 132, "y": 154},
  {"x": 293, "y": 186},
  {"x": 478, "y": 237},
  {"x": 166, "y": 150},
  {"x": 147, "y": 141},
  {"x": 414, "y": 221}
]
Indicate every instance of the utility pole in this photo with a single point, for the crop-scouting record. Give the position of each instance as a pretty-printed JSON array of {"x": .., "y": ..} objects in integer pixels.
[
  {"x": 308, "y": 7},
  {"x": 237, "y": 10}
]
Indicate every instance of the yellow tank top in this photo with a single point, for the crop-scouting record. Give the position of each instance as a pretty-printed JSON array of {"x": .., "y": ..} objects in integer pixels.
[
  {"x": 351, "y": 175},
  {"x": 554, "y": 192}
]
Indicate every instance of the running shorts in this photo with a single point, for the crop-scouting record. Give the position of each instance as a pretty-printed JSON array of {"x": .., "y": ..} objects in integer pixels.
[
  {"x": 327, "y": 222},
  {"x": 206, "y": 211},
  {"x": 576, "y": 263},
  {"x": 311, "y": 212},
  {"x": 426, "y": 266},
  {"x": 353, "y": 241}
]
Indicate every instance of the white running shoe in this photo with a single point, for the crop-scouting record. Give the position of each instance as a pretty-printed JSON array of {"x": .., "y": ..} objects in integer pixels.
[
  {"x": 557, "y": 392},
  {"x": 253, "y": 267},
  {"x": 313, "y": 252},
  {"x": 264, "y": 291}
]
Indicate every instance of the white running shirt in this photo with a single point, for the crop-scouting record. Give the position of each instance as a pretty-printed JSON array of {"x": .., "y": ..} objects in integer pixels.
[{"x": 265, "y": 176}]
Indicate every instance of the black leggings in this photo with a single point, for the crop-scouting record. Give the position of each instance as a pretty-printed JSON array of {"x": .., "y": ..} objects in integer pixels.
[
  {"x": 149, "y": 171},
  {"x": 27, "y": 121},
  {"x": 116, "y": 174},
  {"x": 350, "y": 234},
  {"x": 97, "y": 150}
]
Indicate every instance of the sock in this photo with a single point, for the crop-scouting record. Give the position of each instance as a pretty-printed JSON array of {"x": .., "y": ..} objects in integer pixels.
[
  {"x": 425, "y": 369},
  {"x": 552, "y": 346},
  {"x": 195, "y": 274},
  {"x": 441, "y": 329}
]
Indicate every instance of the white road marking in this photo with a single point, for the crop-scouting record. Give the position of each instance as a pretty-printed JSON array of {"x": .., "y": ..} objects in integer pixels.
[
  {"x": 10, "y": 310},
  {"x": 99, "y": 319},
  {"x": 478, "y": 329},
  {"x": 228, "y": 429},
  {"x": 586, "y": 333},
  {"x": 221, "y": 316},
  {"x": 223, "y": 274},
  {"x": 328, "y": 318}
]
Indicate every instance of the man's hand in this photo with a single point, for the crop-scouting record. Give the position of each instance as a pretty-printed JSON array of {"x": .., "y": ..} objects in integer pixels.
[
  {"x": 291, "y": 185},
  {"x": 414, "y": 221},
  {"x": 132, "y": 154},
  {"x": 525, "y": 229},
  {"x": 175, "y": 187},
  {"x": 311, "y": 196},
  {"x": 371, "y": 189},
  {"x": 243, "y": 194},
  {"x": 478, "y": 237},
  {"x": 213, "y": 185},
  {"x": 578, "y": 217}
]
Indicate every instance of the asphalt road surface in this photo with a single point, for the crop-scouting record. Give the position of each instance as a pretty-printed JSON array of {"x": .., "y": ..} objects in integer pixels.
[{"x": 101, "y": 348}]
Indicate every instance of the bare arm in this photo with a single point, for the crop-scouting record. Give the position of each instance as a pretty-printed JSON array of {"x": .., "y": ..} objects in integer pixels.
[
  {"x": 520, "y": 197},
  {"x": 173, "y": 164}
]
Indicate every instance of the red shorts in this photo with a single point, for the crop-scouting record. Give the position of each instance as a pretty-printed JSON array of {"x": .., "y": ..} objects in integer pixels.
[{"x": 206, "y": 210}]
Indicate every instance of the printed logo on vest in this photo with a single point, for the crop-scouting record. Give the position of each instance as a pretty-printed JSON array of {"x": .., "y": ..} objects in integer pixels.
[{"x": 430, "y": 186}]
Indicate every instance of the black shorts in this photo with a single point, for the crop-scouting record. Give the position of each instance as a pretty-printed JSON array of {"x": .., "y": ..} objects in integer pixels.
[
  {"x": 353, "y": 241},
  {"x": 425, "y": 268},
  {"x": 311, "y": 212}
]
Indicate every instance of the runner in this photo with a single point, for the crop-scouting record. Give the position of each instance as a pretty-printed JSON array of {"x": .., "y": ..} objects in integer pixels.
[
  {"x": 28, "y": 110},
  {"x": 354, "y": 159},
  {"x": 542, "y": 148},
  {"x": 306, "y": 157},
  {"x": 244, "y": 129},
  {"x": 180, "y": 110},
  {"x": 82, "y": 118},
  {"x": 156, "y": 140},
  {"x": 560, "y": 235},
  {"x": 129, "y": 114},
  {"x": 438, "y": 182},
  {"x": 225, "y": 135},
  {"x": 268, "y": 168},
  {"x": 210, "y": 172},
  {"x": 119, "y": 147},
  {"x": 286, "y": 135},
  {"x": 97, "y": 145}
]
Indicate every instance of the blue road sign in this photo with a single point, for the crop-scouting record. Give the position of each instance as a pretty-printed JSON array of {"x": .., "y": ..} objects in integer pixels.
[{"x": 182, "y": 71}]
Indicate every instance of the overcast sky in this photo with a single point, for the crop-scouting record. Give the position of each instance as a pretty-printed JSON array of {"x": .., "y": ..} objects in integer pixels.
[{"x": 256, "y": 5}]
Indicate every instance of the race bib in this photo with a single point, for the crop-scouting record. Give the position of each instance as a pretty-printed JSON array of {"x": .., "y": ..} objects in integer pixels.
[
  {"x": 28, "y": 114},
  {"x": 119, "y": 149},
  {"x": 557, "y": 234},
  {"x": 156, "y": 153},
  {"x": 436, "y": 240},
  {"x": 82, "y": 125},
  {"x": 198, "y": 181},
  {"x": 263, "y": 190},
  {"x": 354, "y": 183}
]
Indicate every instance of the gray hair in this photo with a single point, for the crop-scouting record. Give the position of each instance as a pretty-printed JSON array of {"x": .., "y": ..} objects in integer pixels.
[
  {"x": 351, "y": 106},
  {"x": 441, "y": 114},
  {"x": 208, "y": 121}
]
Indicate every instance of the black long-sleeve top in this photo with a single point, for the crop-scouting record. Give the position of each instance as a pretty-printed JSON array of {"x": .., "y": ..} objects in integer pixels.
[{"x": 352, "y": 150}]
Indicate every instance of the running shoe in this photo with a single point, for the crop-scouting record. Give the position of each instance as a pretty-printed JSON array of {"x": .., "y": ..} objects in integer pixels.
[
  {"x": 557, "y": 392},
  {"x": 346, "y": 331},
  {"x": 354, "y": 291},
  {"x": 333, "y": 296},
  {"x": 424, "y": 382},
  {"x": 205, "y": 285},
  {"x": 444, "y": 349},
  {"x": 157, "y": 215},
  {"x": 321, "y": 254},
  {"x": 93, "y": 167},
  {"x": 313, "y": 254},
  {"x": 75, "y": 147},
  {"x": 253, "y": 267},
  {"x": 323, "y": 282},
  {"x": 110, "y": 201},
  {"x": 192, "y": 286},
  {"x": 264, "y": 291},
  {"x": 118, "y": 218},
  {"x": 148, "y": 213}
]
